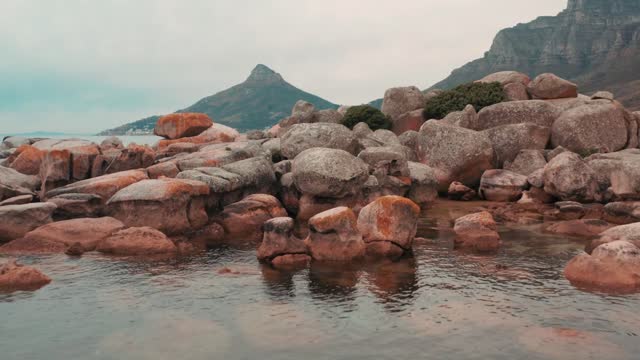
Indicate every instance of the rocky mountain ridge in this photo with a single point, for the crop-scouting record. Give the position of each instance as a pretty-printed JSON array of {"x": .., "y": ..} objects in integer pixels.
[{"x": 595, "y": 43}]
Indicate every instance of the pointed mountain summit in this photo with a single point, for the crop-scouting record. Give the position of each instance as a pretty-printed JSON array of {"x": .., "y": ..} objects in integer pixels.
[
  {"x": 594, "y": 43},
  {"x": 259, "y": 102}
]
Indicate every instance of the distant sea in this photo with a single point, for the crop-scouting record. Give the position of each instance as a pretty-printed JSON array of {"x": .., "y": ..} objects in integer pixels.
[{"x": 126, "y": 140}]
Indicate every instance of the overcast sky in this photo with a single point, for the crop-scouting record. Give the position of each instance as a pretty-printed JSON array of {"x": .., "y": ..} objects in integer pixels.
[{"x": 87, "y": 65}]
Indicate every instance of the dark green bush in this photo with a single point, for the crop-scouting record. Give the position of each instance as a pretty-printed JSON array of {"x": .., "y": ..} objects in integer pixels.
[
  {"x": 366, "y": 114},
  {"x": 480, "y": 95}
]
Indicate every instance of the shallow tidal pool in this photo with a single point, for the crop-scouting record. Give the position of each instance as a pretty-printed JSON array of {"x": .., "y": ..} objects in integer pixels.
[{"x": 223, "y": 304}]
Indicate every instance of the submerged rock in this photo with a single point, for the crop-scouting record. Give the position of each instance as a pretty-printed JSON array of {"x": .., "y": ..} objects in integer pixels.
[
  {"x": 477, "y": 232},
  {"x": 137, "y": 241},
  {"x": 580, "y": 228},
  {"x": 333, "y": 236},
  {"x": 59, "y": 236},
  {"x": 17, "y": 277},
  {"x": 613, "y": 266}
]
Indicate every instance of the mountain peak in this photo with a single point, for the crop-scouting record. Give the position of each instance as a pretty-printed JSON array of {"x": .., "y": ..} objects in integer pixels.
[{"x": 262, "y": 73}]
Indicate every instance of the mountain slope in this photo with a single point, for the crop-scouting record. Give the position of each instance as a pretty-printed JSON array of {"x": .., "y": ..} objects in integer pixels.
[
  {"x": 259, "y": 102},
  {"x": 595, "y": 43}
]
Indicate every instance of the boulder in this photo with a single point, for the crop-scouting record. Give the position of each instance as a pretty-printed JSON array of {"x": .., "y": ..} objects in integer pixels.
[
  {"x": 629, "y": 232},
  {"x": 626, "y": 212},
  {"x": 57, "y": 237},
  {"x": 130, "y": 158},
  {"x": 26, "y": 160},
  {"x": 309, "y": 205},
  {"x": 568, "y": 177},
  {"x": 613, "y": 266},
  {"x": 328, "y": 116},
  {"x": 361, "y": 130},
  {"x": 217, "y": 133},
  {"x": 598, "y": 127},
  {"x": 467, "y": 118},
  {"x": 527, "y": 162},
  {"x": 424, "y": 184},
  {"x": 391, "y": 219},
  {"x": 302, "y": 137},
  {"x": 243, "y": 220},
  {"x": 13, "y": 183},
  {"x": 411, "y": 120},
  {"x": 110, "y": 143},
  {"x": 280, "y": 246},
  {"x": 304, "y": 111},
  {"x": 17, "y": 220},
  {"x": 165, "y": 169},
  {"x": 459, "y": 192},
  {"x": 536, "y": 178},
  {"x": 17, "y": 277},
  {"x": 329, "y": 172},
  {"x": 509, "y": 140},
  {"x": 569, "y": 210},
  {"x": 409, "y": 140},
  {"x": 550, "y": 86},
  {"x": 387, "y": 160},
  {"x": 456, "y": 154},
  {"x": 55, "y": 169},
  {"x": 12, "y": 142},
  {"x": 173, "y": 206},
  {"x": 603, "y": 95},
  {"x": 103, "y": 186},
  {"x": 218, "y": 155},
  {"x": 232, "y": 182},
  {"x": 333, "y": 236},
  {"x": 76, "y": 205},
  {"x": 385, "y": 137},
  {"x": 17, "y": 200},
  {"x": 619, "y": 172},
  {"x": 516, "y": 92},
  {"x": 579, "y": 228},
  {"x": 137, "y": 241},
  {"x": 536, "y": 112},
  {"x": 507, "y": 77},
  {"x": 477, "y": 232},
  {"x": 502, "y": 185},
  {"x": 400, "y": 100},
  {"x": 180, "y": 125}
]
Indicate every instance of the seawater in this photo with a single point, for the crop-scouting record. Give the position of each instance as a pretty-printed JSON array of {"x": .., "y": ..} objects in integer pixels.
[{"x": 437, "y": 304}]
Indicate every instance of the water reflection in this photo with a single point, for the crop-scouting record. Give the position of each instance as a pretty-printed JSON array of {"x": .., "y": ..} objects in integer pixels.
[{"x": 394, "y": 283}]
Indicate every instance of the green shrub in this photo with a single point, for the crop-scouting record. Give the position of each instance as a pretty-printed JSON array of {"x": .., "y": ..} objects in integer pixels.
[
  {"x": 366, "y": 114},
  {"x": 480, "y": 95}
]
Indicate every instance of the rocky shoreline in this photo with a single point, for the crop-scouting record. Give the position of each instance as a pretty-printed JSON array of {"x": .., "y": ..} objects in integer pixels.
[{"x": 310, "y": 189}]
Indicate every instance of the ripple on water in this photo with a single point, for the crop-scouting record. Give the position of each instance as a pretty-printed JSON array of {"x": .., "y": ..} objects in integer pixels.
[{"x": 223, "y": 303}]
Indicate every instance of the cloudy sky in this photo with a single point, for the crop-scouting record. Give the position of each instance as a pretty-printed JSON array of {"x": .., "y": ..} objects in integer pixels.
[{"x": 87, "y": 65}]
